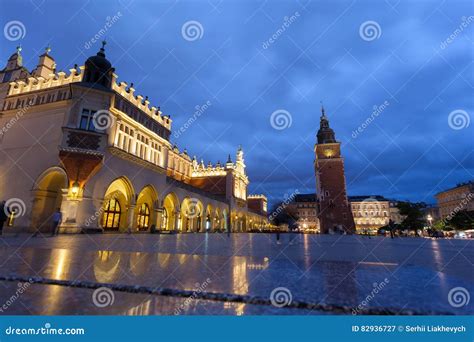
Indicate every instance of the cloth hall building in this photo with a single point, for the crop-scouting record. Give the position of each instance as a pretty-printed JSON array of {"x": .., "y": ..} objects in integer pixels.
[{"x": 88, "y": 145}]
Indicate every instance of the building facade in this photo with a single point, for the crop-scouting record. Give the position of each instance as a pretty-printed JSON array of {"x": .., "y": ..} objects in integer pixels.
[
  {"x": 305, "y": 207},
  {"x": 87, "y": 144},
  {"x": 334, "y": 211},
  {"x": 458, "y": 198},
  {"x": 370, "y": 212}
]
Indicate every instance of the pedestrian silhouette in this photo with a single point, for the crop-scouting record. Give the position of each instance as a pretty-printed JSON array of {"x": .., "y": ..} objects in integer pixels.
[{"x": 57, "y": 219}]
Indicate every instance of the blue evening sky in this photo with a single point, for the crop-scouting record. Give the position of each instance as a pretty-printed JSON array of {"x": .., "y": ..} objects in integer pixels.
[{"x": 411, "y": 149}]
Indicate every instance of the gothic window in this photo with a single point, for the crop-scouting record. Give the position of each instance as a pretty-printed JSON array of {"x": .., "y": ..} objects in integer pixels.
[
  {"x": 111, "y": 217},
  {"x": 143, "y": 217}
]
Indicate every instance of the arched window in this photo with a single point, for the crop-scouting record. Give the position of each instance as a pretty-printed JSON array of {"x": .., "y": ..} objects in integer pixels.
[
  {"x": 111, "y": 218},
  {"x": 164, "y": 219},
  {"x": 143, "y": 217}
]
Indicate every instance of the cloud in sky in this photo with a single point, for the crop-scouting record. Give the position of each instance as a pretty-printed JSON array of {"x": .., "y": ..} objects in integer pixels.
[{"x": 253, "y": 58}]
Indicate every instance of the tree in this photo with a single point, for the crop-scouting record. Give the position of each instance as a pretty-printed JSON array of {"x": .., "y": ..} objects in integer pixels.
[
  {"x": 462, "y": 220},
  {"x": 282, "y": 213},
  {"x": 414, "y": 216},
  {"x": 439, "y": 225}
]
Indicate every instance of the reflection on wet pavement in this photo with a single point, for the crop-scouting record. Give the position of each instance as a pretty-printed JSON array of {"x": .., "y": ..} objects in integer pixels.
[{"x": 416, "y": 273}]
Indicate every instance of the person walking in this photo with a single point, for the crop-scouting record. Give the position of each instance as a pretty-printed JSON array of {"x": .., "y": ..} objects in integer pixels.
[
  {"x": 3, "y": 215},
  {"x": 392, "y": 228},
  {"x": 57, "y": 219}
]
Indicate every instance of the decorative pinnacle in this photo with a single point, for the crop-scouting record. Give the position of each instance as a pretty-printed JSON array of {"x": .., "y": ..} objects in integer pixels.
[
  {"x": 47, "y": 49},
  {"x": 18, "y": 49}
]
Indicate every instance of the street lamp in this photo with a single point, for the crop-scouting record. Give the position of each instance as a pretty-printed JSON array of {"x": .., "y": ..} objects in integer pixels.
[
  {"x": 75, "y": 189},
  {"x": 430, "y": 219}
]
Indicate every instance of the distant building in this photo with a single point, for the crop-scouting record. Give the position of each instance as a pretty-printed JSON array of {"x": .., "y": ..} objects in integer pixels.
[
  {"x": 305, "y": 208},
  {"x": 369, "y": 212},
  {"x": 456, "y": 199},
  {"x": 395, "y": 212},
  {"x": 431, "y": 211}
]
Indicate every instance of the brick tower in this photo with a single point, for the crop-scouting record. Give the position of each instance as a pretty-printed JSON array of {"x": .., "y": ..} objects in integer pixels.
[{"x": 334, "y": 211}]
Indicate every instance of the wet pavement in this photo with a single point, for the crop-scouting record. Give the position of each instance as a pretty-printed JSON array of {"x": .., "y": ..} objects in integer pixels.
[{"x": 352, "y": 271}]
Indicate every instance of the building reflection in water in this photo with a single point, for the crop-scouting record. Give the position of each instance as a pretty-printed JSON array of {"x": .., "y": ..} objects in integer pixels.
[
  {"x": 240, "y": 284},
  {"x": 139, "y": 263},
  {"x": 106, "y": 266},
  {"x": 53, "y": 296},
  {"x": 60, "y": 260},
  {"x": 307, "y": 256},
  {"x": 163, "y": 259},
  {"x": 438, "y": 258},
  {"x": 140, "y": 309}
]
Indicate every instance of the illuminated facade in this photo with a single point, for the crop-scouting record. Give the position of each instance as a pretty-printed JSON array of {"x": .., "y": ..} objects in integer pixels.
[
  {"x": 87, "y": 144},
  {"x": 369, "y": 212},
  {"x": 456, "y": 199}
]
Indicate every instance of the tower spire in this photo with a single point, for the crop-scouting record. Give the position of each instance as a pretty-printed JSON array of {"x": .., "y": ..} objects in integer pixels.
[{"x": 325, "y": 133}]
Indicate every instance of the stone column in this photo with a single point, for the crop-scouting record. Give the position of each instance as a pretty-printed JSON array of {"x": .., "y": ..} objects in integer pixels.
[
  {"x": 130, "y": 216},
  {"x": 176, "y": 221},
  {"x": 115, "y": 135},
  {"x": 159, "y": 217}
]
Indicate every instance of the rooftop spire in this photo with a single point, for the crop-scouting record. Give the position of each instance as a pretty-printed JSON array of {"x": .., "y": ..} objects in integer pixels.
[
  {"x": 325, "y": 133},
  {"x": 102, "y": 49}
]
